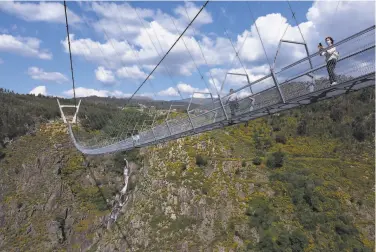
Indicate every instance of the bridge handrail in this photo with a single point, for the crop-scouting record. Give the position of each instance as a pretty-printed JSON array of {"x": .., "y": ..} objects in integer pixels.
[
  {"x": 178, "y": 122},
  {"x": 286, "y": 81},
  {"x": 334, "y": 45},
  {"x": 304, "y": 59}
]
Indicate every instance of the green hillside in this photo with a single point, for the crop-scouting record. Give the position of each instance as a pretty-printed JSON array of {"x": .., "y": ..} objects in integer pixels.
[{"x": 302, "y": 180}]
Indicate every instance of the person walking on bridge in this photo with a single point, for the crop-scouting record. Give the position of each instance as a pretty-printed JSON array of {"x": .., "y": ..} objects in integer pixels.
[
  {"x": 233, "y": 103},
  {"x": 331, "y": 57}
]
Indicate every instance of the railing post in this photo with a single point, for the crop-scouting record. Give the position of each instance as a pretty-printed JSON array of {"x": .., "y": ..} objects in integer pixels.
[
  {"x": 190, "y": 120},
  {"x": 61, "y": 112},
  {"x": 168, "y": 127},
  {"x": 152, "y": 130},
  {"x": 223, "y": 107},
  {"x": 312, "y": 86},
  {"x": 75, "y": 114},
  {"x": 277, "y": 85}
]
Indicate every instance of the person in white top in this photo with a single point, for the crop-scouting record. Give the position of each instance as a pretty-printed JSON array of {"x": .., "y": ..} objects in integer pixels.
[
  {"x": 331, "y": 57},
  {"x": 233, "y": 103},
  {"x": 136, "y": 138}
]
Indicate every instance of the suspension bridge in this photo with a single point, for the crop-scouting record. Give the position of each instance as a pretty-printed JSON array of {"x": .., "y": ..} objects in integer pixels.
[{"x": 300, "y": 83}]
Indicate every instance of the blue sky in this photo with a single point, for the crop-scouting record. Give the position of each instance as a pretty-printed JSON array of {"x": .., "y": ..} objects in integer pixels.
[{"x": 33, "y": 53}]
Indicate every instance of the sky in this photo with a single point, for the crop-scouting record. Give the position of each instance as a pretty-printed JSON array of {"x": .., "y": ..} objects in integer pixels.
[{"x": 115, "y": 45}]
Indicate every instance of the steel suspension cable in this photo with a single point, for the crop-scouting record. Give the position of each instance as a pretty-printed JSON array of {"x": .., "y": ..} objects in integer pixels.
[
  {"x": 169, "y": 50},
  {"x": 190, "y": 54},
  {"x": 202, "y": 52},
  {"x": 70, "y": 55},
  {"x": 296, "y": 21},
  {"x": 237, "y": 53},
  {"x": 105, "y": 59},
  {"x": 283, "y": 35},
  {"x": 155, "y": 48},
  {"x": 112, "y": 45},
  {"x": 100, "y": 117},
  {"x": 166, "y": 69},
  {"x": 262, "y": 43},
  {"x": 136, "y": 55}
]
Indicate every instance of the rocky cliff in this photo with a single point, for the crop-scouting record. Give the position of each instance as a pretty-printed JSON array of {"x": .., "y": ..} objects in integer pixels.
[{"x": 51, "y": 196}]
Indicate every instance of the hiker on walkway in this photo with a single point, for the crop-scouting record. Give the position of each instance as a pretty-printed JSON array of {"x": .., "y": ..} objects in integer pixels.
[
  {"x": 233, "y": 103},
  {"x": 136, "y": 138},
  {"x": 331, "y": 57}
]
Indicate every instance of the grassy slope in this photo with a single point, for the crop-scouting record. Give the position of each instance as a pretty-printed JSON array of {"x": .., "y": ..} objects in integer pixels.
[{"x": 321, "y": 199}]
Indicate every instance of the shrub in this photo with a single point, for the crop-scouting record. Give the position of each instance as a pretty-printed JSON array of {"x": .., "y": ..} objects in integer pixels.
[
  {"x": 256, "y": 161},
  {"x": 244, "y": 163},
  {"x": 134, "y": 156},
  {"x": 2, "y": 154},
  {"x": 275, "y": 160},
  {"x": 237, "y": 171},
  {"x": 358, "y": 131},
  {"x": 336, "y": 114},
  {"x": 302, "y": 128},
  {"x": 183, "y": 166},
  {"x": 276, "y": 128},
  {"x": 280, "y": 139},
  {"x": 343, "y": 229},
  {"x": 298, "y": 241},
  {"x": 200, "y": 160}
]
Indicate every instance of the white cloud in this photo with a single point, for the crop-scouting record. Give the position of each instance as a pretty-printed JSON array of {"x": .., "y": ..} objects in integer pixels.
[
  {"x": 25, "y": 46},
  {"x": 112, "y": 53},
  {"x": 188, "y": 89},
  {"x": 119, "y": 20},
  {"x": 48, "y": 12},
  {"x": 132, "y": 72},
  {"x": 184, "y": 89},
  {"x": 342, "y": 23},
  {"x": 104, "y": 75},
  {"x": 115, "y": 53},
  {"x": 204, "y": 17},
  {"x": 39, "y": 74},
  {"x": 39, "y": 90},
  {"x": 168, "y": 92},
  {"x": 85, "y": 92}
]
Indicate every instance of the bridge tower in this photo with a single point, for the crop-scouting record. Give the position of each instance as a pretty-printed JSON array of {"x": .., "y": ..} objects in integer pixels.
[{"x": 74, "y": 119}]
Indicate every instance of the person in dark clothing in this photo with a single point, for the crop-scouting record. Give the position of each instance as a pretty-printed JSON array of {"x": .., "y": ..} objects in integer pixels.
[{"x": 331, "y": 57}]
